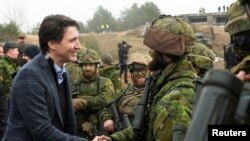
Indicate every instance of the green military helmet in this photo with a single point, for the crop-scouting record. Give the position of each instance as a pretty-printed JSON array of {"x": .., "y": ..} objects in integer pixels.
[
  {"x": 107, "y": 58},
  {"x": 169, "y": 35},
  {"x": 89, "y": 56},
  {"x": 80, "y": 51},
  {"x": 174, "y": 25},
  {"x": 201, "y": 56},
  {"x": 138, "y": 61},
  {"x": 237, "y": 20}
]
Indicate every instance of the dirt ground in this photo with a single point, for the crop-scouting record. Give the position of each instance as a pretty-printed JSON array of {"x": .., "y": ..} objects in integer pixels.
[{"x": 108, "y": 41}]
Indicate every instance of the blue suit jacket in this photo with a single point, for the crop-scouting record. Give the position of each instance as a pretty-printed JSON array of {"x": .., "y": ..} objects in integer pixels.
[{"x": 35, "y": 113}]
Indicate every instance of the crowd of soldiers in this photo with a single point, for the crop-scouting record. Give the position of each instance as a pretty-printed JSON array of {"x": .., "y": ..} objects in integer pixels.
[
  {"x": 14, "y": 54},
  {"x": 168, "y": 92}
]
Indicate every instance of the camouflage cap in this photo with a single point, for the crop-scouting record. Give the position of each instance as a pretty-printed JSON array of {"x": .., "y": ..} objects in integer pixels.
[
  {"x": 237, "y": 20},
  {"x": 140, "y": 58},
  {"x": 201, "y": 56},
  {"x": 89, "y": 56},
  {"x": 169, "y": 35},
  {"x": 138, "y": 61},
  {"x": 174, "y": 25},
  {"x": 107, "y": 58}
]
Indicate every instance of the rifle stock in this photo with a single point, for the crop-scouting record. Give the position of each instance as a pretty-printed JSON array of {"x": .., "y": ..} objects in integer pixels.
[
  {"x": 126, "y": 120},
  {"x": 242, "y": 115},
  {"x": 140, "y": 112},
  {"x": 116, "y": 116},
  {"x": 217, "y": 104}
]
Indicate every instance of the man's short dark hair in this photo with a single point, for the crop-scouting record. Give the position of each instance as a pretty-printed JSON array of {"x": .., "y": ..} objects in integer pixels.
[
  {"x": 124, "y": 42},
  {"x": 52, "y": 28},
  {"x": 31, "y": 50}
]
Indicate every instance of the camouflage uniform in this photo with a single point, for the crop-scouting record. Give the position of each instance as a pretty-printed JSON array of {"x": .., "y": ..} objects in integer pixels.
[
  {"x": 237, "y": 26},
  {"x": 97, "y": 92},
  {"x": 174, "y": 88},
  {"x": 202, "y": 59},
  {"x": 131, "y": 95},
  {"x": 110, "y": 71},
  {"x": 8, "y": 69},
  {"x": 223, "y": 84},
  {"x": 74, "y": 69}
]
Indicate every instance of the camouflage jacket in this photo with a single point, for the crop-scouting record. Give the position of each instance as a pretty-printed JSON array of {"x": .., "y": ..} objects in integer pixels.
[
  {"x": 129, "y": 99},
  {"x": 112, "y": 72},
  {"x": 75, "y": 71},
  {"x": 98, "y": 93},
  {"x": 8, "y": 69},
  {"x": 172, "y": 104},
  {"x": 244, "y": 65}
]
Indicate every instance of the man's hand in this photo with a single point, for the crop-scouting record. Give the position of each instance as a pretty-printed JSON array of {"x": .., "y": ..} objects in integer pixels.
[
  {"x": 102, "y": 138},
  {"x": 243, "y": 76},
  {"x": 79, "y": 104},
  {"x": 87, "y": 127},
  {"x": 108, "y": 125}
]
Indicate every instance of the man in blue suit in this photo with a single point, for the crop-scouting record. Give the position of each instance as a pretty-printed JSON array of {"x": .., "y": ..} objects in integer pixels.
[{"x": 40, "y": 102}]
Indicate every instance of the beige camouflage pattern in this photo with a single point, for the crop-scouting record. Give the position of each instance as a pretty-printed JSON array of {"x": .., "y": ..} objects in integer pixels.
[
  {"x": 140, "y": 58},
  {"x": 129, "y": 100}
]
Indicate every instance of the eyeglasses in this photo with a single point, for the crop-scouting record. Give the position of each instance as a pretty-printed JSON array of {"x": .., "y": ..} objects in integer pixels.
[{"x": 141, "y": 73}]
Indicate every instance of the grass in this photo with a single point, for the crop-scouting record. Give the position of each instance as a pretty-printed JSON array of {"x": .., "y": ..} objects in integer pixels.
[{"x": 108, "y": 41}]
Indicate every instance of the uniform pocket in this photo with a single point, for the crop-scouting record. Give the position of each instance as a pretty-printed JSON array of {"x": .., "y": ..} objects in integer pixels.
[{"x": 162, "y": 128}]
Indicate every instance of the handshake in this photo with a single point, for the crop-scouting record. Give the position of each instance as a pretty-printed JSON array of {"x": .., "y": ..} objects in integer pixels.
[{"x": 102, "y": 138}]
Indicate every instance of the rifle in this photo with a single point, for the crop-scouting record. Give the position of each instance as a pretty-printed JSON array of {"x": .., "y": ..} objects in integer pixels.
[
  {"x": 217, "y": 104},
  {"x": 198, "y": 83},
  {"x": 126, "y": 120},
  {"x": 117, "y": 118},
  {"x": 139, "y": 123},
  {"x": 242, "y": 115}
]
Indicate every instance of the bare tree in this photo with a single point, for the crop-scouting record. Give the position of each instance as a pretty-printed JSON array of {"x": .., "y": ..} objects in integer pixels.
[{"x": 13, "y": 12}]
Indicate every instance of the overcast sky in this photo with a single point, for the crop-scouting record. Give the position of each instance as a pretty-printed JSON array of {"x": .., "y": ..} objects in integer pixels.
[{"x": 81, "y": 10}]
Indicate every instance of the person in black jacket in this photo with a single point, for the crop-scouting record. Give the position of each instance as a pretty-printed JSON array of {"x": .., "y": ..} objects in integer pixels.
[
  {"x": 123, "y": 49},
  {"x": 40, "y": 106}
]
